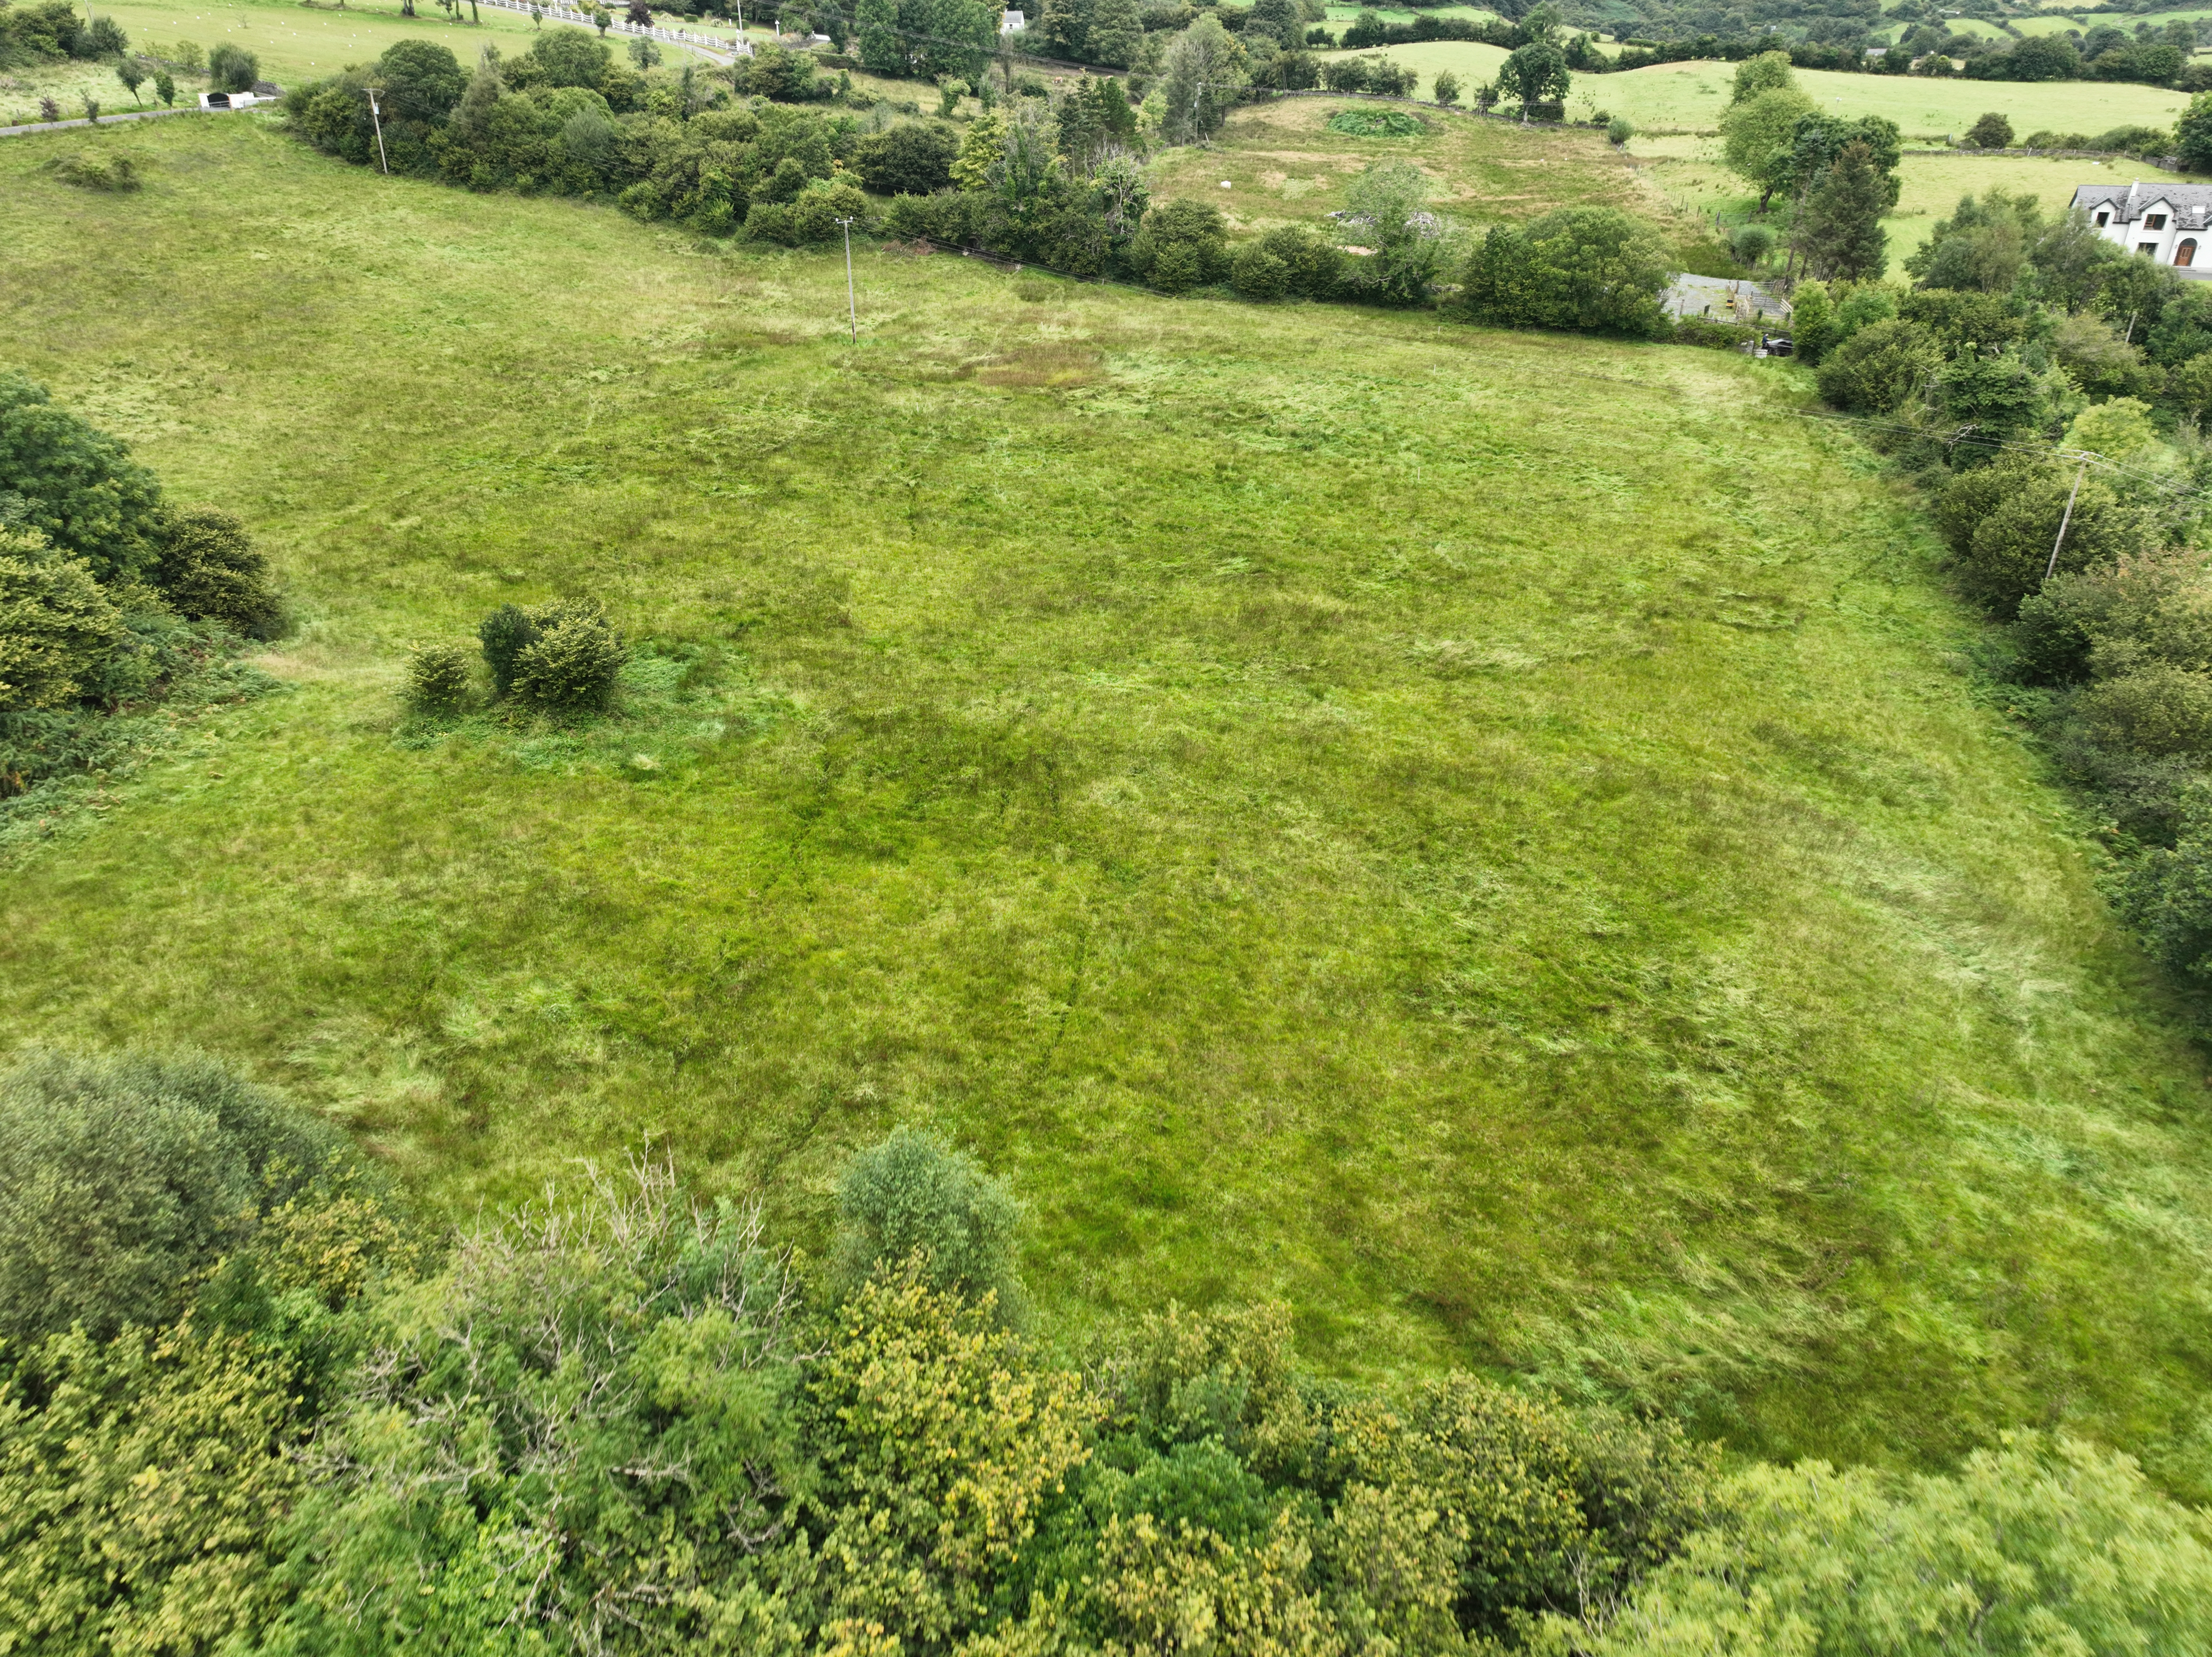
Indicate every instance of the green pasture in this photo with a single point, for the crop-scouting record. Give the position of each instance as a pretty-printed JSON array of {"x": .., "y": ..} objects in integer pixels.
[
  {"x": 1343, "y": 13},
  {"x": 1687, "y": 170},
  {"x": 1690, "y": 97},
  {"x": 293, "y": 43},
  {"x": 1933, "y": 184},
  {"x": 1474, "y": 63},
  {"x": 1283, "y": 165},
  {"x": 1488, "y": 837},
  {"x": 1980, "y": 26}
]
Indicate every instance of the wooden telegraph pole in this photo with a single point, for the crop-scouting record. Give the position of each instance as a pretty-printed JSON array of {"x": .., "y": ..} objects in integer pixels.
[{"x": 376, "y": 117}]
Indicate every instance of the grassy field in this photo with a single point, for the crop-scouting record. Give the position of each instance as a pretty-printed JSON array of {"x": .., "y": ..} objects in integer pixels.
[
  {"x": 1688, "y": 171},
  {"x": 1471, "y": 61},
  {"x": 1485, "y": 837},
  {"x": 293, "y": 43},
  {"x": 1690, "y": 97},
  {"x": 1283, "y": 164},
  {"x": 1341, "y": 14}
]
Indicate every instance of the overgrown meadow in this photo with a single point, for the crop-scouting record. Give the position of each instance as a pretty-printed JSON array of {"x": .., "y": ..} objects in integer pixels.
[{"x": 1493, "y": 838}]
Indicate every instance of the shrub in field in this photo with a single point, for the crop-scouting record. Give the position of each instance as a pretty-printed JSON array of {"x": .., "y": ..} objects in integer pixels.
[
  {"x": 618, "y": 1377},
  {"x": 914, "y": 1197},
  {"x": 438, "y": 678},
  {"x": 122, "y": 1178},
  {"x": 1751, "y": 244},
  {"x": 1618, "y": 131},
  {"x": 2020, "y": 1550},
  {"x": 811, "y": 217},
  {"x": 108, "y": 173},
  {"x": 571, "y": 665},
  {"x": 911, "y": 159},
  {"x": 1991, "y": 132},
  {"x": 57, "y": 629},
  {"x": 1313, "y": 269},
  {"x": 504, "y": 635},
  {"x": 2158, "y": 710},
  {"x": 209, "y": 570},
  {"x": 2002, "y": 522},
  {"x": 1386, "y": 210},
  {"x": 1377, "y": 123}
]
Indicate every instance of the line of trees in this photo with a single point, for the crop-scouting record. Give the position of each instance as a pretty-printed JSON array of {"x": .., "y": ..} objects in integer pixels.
[
  {"x": 47, "y": 31},
  {"x": 248, "y": 1402},
  {"x": 2048, "y": 390},
  {"x": 2153, "y": 55}
]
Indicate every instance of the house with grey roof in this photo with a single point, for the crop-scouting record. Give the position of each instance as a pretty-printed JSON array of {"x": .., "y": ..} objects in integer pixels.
[{"x": 2172, "y": 223}]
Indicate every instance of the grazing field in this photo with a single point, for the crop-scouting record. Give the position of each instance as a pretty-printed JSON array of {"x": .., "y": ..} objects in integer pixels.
[
  {"x": 293, "y": 43},
  {"x": 1487, "y": 837},
  {"x": 1690, "y": 97},
  {"x": 1471, "y": 60},
  {"x": 1283, "y": 164},
  {"x": 1343, "y": 13},
  {"x": 1688, "y": 171}
]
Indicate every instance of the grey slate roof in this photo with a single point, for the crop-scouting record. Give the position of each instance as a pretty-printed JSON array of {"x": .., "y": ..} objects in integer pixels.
[{"x": 2191, "y": 204}]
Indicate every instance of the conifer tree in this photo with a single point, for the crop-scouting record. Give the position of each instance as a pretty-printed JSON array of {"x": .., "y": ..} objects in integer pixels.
[{"x": 1840, "y": 236}]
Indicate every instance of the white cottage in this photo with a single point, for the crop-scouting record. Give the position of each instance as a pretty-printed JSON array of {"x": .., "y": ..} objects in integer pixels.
[{"x": 2170, "y": 222}]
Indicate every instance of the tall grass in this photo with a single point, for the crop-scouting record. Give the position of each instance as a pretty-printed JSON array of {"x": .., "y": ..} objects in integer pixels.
[{"x": 1485, "y": 837}]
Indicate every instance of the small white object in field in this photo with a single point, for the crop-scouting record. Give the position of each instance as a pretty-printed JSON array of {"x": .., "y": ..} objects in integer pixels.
[{"x": 1224, "y": 184}]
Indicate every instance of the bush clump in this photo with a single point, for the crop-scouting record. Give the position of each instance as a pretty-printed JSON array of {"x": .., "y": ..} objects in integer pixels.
[
  {"x": 810, "y": 217},
  {"x": 439, "y": 680},
  {"x": 913, "y": 1195},
  {"x": 209, "y": 570},
  {"x": 1591, "y": 268},
  {"x": 58, "y": 629},
  {"x": 122, "y": 1178},
  {"x": 571, "y": 663},
  {"x": 109, "y": 173},
  {"x": 1879, "y": 366},
  {"x": 1181, "y": 246},
  {"x": 1377, "y": 123}
]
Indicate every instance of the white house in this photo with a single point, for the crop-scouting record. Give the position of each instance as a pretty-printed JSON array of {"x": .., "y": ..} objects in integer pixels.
[
  {"x": 1012, "y": 23},
  {"x": 2170, "y": 222}
]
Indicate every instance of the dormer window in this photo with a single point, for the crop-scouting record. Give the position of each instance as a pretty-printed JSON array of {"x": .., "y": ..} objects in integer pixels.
[
  {"x": 2154, "y": 222},
  {"x": 2103, "y": 219}
]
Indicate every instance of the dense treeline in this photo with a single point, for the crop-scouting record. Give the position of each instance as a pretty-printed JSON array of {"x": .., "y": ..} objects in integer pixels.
[
  {"x": 46, "y": 30},
  {"x": 247, "y": 1405},
  {"x": 2049, "y": 389},
  {"x": 1051, "y": 179},
  {"x": 112, "y": 599}
]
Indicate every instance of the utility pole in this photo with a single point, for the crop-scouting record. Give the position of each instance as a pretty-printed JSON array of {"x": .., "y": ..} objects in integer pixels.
[
  {"x": 852, "y": 304},
  {"x": 2053, "y": 567},
  {"x": 377, "y": 118}
]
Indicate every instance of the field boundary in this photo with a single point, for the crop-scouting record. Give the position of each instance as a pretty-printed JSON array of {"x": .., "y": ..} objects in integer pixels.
[{"x": 124, "y": 115}]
